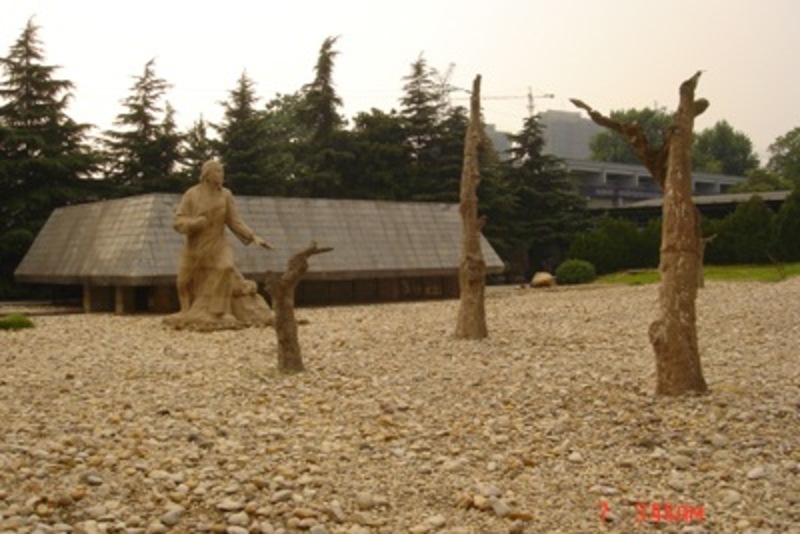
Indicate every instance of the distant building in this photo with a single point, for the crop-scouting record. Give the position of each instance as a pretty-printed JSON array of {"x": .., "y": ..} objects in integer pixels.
[
  {"x": 124, "y": 252},
  {"x": 712, "y": 206},
  {"x": 604, "y": 184},
  {"x": 607, "y": 184},
  {"x": 567, "y": 134}
]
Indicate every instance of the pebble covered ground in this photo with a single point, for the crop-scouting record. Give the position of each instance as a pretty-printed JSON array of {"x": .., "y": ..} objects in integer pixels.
[{"x": 116, "y": 424}]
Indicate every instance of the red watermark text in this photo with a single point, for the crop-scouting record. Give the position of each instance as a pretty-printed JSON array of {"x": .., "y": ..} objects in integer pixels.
[{"x": 658, "y": 512}]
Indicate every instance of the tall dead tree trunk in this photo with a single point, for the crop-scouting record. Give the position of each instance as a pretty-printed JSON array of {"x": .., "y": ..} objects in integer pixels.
[
  {"x": 674, "y": 332},
  {"x": 472, "y": 267},
  {"x": 282, "y": 287}
]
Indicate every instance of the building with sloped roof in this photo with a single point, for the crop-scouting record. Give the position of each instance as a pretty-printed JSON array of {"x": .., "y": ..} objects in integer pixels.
[
  {"x": 125, "y": 253},
  {"x": 712, "y": 206}
]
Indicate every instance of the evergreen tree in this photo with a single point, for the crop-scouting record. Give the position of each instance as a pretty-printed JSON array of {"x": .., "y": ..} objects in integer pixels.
[
  {"x": 434, "y": 135},
  {"x": 169, "y": 142},
  {"x": 319, "y": 112},
  {"x": 379, "y": 167},
  {"x": 438, "y": 170},
  {"x": 43, "y": 152},
  {"x": 327, "y": 150},
  {"x": 286, "y": 139},
  {"x": 197, "y": 149},
  {"x": 421, "y": 107},
  {"x": 242, "y": 143},
  {"x": 45, "y": 157},
  {"x": 549, "y": 209},
  {"x": 142, "y": 156},
  {"x": 499, "y": 205}
]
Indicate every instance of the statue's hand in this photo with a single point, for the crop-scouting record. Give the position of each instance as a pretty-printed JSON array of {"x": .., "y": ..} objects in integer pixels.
[{"x": 261, "y": 243}]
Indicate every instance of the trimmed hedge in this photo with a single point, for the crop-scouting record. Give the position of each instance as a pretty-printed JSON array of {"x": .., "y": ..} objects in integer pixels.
[
  {"x": 575, "y": 272},
  {"x": 616, "y": 244}
]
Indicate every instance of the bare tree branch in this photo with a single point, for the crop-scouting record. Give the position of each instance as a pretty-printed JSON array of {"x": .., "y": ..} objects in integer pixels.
[
  {"x": 654, "y": 158},
  {"x": 282, "y": 287}
]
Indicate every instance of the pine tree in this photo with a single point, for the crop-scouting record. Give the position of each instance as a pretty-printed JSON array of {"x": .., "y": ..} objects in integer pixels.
[
  {"x": 434, "y": 135},
  {"x": 242, "y": 141},
  {"x": 379, "y": 167},
  {"x": 44, "y": 154},
  {"x": 197, "y": 149},
  {"x": 549, "y": 209},
  {"x": 328, "y": 146},
  {"x": 45, "y": 157},
  {"x": 169, "y": 142},
  {"x": 143, "y": 156},
  {"x": 421, "y": 107},
  {"x": 320, "y": 109}
]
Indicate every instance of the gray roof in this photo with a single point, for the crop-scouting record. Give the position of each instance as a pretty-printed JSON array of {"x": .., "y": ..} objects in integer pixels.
[
  {"x": 726, "y": 198},
  {"x": 130, "y": 241}
]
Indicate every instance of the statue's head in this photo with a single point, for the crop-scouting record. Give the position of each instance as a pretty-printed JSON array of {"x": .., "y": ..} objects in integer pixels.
[{"x": 212, "y": 174}]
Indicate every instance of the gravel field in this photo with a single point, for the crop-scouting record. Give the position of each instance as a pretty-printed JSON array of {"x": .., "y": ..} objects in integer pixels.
[{"x": 116, "y": 424}]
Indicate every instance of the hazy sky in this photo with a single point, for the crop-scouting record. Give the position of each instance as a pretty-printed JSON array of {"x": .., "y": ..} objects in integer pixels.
[{"x": 613, "y": 54}]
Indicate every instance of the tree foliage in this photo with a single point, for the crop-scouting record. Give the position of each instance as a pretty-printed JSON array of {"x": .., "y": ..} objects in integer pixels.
[
  {"x": 379, "y": 168},
  {"x": 611, "y": 146},
  {"x": 142, "y": 154},
  {"x": 762, "y": 180},
  {"x": 434, "y": 135},
  {"x": 327, "y": 148},
  {"x": 787, "y": 228},
  {"x": 744, "y": 236},
  {"x": 784, "y": 157},
  {"x": 320, "y": 108},
  {"x": 612, "y": 244},
  {"x": 45, "y": 157},
  {"x": 242, "y": 142},
  {"x": 421, "y": 107},
  {"x": 44, "y": 154},
  {"x": 197, "y": 148},
  {"x": 549, "y": 210},
  {"x": 723, "y": 150}
]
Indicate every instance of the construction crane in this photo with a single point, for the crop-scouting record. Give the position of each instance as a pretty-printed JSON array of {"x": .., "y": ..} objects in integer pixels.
[{"x": 530, "y": 97}]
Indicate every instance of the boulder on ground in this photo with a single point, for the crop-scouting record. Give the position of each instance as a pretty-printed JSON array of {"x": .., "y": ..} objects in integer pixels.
[{"x": 543, "y": 279}]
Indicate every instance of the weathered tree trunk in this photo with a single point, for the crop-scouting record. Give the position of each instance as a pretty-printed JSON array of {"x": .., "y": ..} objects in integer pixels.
[
  {"x": 282, "y": 287},
  {"x": 472, "y": 267},
  {"x": 674, "y": 333}
]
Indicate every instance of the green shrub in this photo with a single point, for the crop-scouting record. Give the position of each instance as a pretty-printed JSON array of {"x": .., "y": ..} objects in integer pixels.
[
  {"x": 615, "y": 244},
  {"x": 787, "y": 228},
  {"x": 575, "y": 272},
  {"x": 15, "y": 321},
  {"x": 744, "y": 236}
]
